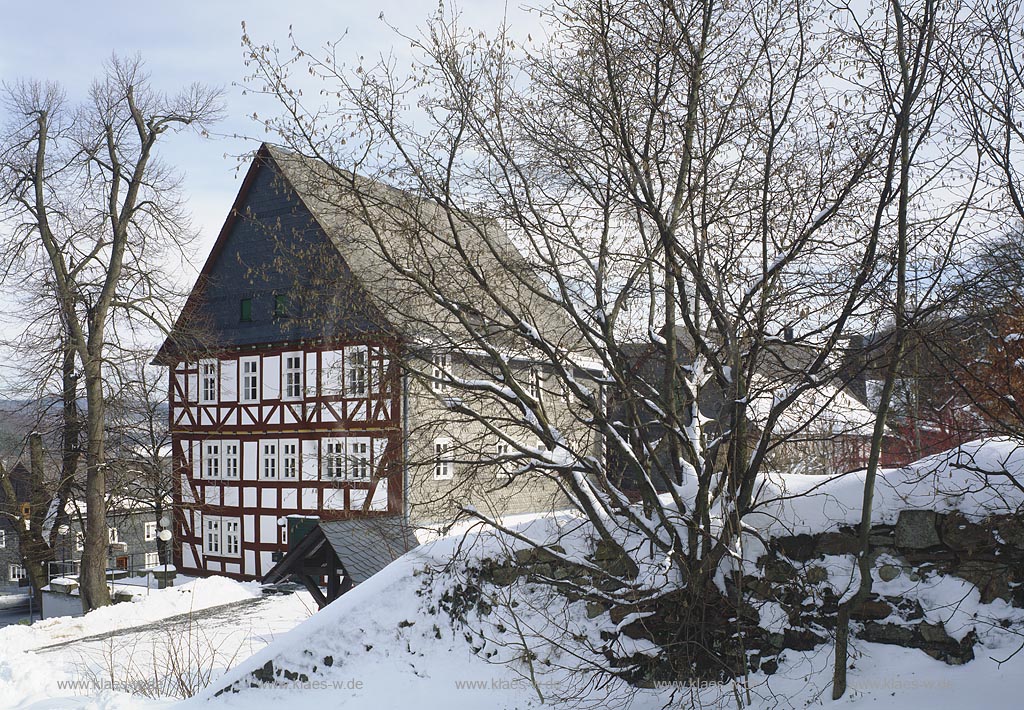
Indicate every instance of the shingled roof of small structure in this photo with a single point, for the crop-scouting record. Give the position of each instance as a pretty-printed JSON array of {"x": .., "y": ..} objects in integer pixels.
[{"x": 365, "y": 546}]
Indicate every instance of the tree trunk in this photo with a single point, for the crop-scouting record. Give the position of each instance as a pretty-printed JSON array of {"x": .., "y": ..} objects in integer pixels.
[{"x": 93, "y": 578}]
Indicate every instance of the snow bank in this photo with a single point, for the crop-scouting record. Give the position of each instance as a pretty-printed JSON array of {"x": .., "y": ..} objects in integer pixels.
[{"x": 976, "y": 478}]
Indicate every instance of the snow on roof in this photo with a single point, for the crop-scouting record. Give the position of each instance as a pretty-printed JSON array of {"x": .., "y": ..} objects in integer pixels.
[{"x": 820, "y": 411}]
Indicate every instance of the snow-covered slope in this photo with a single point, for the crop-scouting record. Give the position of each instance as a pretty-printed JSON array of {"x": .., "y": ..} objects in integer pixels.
[{"x": 391, "y": 641}]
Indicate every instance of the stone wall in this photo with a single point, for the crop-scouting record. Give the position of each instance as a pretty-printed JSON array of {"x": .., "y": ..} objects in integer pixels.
[
  {"x": 793, "y": 573},
  {"x": 796, "y": 578}
]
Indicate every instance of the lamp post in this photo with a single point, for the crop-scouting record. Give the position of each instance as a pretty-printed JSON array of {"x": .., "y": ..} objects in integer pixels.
[
  {"x": 165, "y": 537},
  {"x": 63, "y": 531}
]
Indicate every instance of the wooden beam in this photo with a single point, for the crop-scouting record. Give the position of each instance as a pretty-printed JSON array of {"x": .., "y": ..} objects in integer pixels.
[{"x": 310, "y": 584}]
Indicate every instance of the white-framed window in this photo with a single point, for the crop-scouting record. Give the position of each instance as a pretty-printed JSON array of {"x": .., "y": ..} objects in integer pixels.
[
  {"x": 211, "y": 459},
  {"x": 230, "y": 468},
  {"x": 268, "y": 459},
  {"x": 535, "y": 384},
  {"x": 334, "y": 458},
  {"x": 250, "y": 389},
  {"x": 151, "y": 559},
  {"x": 211, "y": 538},
  {"x": 440, "y": 370},
  {"x": 292, "y": 376},
  {"x": 207, "y": 381},
  {"x": 79, "y": 541},
  {"x": 232, "y": 536},
  {"x": 347, "y": 459},
  {"x": 355, "y": 366},
  {"x": 444, "y": 465},
  {"x": 113, "y": 536},
  {"x": 502, "y": 456},
  {"x": 222, "y": 536},
  {"x": 149, "y": 531},
  {"x": 289, "y": 459},
  {"x": 358, "y": 461},
  {"x": 3, "y": 538},
  {"x": 16, "y": 573}
]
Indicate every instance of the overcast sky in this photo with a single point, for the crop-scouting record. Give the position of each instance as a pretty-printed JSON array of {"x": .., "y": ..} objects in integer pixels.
[{"x": 187, "y": 40}]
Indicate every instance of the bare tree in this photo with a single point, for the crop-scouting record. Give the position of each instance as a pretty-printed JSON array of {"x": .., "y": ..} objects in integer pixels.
[
  {"x": 712, "y": 182},
  {"x": 140, "y": 440},
  {"x": 92, "y": 212}
]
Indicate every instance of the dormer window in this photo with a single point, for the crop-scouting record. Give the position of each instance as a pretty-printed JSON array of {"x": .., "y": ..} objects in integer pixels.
[{"x": 280, "y": 306}]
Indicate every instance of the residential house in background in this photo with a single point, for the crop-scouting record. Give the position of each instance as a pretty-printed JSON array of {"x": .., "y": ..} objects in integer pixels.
[
  {"x": 933, "y": 406},
  {"x": 302, "y": 383},
  {"x": 132, "y": 527},
  {"x": 826, "y": 430}
]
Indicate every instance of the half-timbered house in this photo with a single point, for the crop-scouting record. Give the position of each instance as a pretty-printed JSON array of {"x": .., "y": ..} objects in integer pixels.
[{"x": 286, "y": 392}]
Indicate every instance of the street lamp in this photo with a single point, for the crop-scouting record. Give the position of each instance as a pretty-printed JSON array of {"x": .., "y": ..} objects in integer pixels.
[{"x": 165, "y": 537}]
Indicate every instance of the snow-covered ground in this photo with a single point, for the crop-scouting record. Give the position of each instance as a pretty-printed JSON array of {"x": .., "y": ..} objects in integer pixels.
[
  {"x": 385, "y": 648},
  {"x": 384, "y": 644},
  {"x": 125, "y": 655}
]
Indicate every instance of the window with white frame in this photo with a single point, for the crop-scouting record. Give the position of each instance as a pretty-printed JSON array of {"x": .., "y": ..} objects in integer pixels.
[
  {"x": 222, "y": 536},
  {"x": 444, "y": 465},
  {"x": 230, "y": 468},
  {"x": 535, "y": 384},
  {"x": 250, "y": 391},
  {"x": 3, "y": 538},
  {"x": 211, "y": 459},
  {"x": 502, "y": 456},
  {"x": 16, "y": 573},
  {"x": 149, "y": 531},
  {"x": 232, "y": 536},
  {"x": 440, "y": 371},
  {"x": 355, "y": 365},
  {"x": 211, "y": 538},
  {"x": 292, "y": 376},
  {"x": 151, "y": 559},
  {"x": 334, "y": 458},
  {"x": 358, "y": 468},
  {"x": 268, "y": 460},
  {"x": 79, "y": 541},
  {"x": 113, "y": 536},
  {"x": 289, "y": 459},
  {"x": 207, "y": 381}
]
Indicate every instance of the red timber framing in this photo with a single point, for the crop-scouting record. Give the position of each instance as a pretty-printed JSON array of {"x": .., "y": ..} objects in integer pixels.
[{"x": 263, "y": 432}]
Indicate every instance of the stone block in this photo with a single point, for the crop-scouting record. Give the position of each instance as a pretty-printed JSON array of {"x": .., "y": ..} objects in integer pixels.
[{"x": 917, "y": 530}]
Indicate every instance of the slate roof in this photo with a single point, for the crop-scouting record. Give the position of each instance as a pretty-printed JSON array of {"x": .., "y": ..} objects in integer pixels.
[
  {"x": 365, "y": 546},
  {"x": 394, "y": 246},
  {"x": 400, "y": 245}
]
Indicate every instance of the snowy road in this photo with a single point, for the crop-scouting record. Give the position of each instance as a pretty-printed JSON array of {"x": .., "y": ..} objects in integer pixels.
[{"x": 216, "y": 615}]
